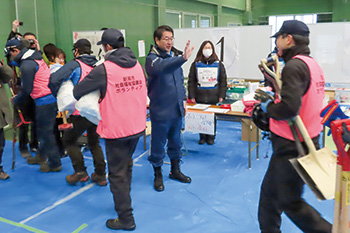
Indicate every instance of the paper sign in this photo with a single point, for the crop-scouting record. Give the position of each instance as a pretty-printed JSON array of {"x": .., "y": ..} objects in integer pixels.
[
  {"x": 141, "y": 45},
  {"x": 198, "y": 122}
]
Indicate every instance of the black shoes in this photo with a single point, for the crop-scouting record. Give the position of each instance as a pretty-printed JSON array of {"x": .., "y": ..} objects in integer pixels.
[
  {"x": 176, "y": 174},
  {"x": 202, "y": 139},
  {"x": 116, "y": 224},
  {"x": 158, "y": 179},
  {"x": 205, "y": 138},
  {"x": 210, "y": 139}
]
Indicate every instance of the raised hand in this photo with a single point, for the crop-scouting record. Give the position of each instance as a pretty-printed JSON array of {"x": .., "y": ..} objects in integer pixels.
[{"x": 188, "y": 51}]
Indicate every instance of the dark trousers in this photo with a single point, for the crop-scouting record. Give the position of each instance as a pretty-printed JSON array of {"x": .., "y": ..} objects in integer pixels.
[
  {"x": 70, "y": 137},
  {"x": 163, "y": 131},
  {"x": 281, "y": 191},
  {"x": 2, "y": 145},
  {"x": 45, "y": 116},
  {"x": 119, "y": 159},
  {"x": 23, "y": 137}
]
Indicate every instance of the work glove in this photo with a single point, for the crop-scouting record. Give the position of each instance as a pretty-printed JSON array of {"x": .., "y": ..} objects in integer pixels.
[{"x": 265, "y": 97}]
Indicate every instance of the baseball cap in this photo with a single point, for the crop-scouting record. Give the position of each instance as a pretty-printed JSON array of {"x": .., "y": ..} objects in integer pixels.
[
  {"x": 83, "y": 45},
  {"x": 13, "y": 43},
  {"x": 112, "y": 37},
  {"x": 293, "y": 27}
]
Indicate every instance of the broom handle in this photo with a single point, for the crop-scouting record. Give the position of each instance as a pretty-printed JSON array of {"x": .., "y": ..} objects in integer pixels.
[
  {"x": 305, "y": 135},
  {"x": 64, "y": 117}
]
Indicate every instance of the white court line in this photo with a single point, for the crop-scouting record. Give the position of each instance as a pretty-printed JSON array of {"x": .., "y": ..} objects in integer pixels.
[
  {"x": 59, "y": 202},
  {"x": 140, "y": 156},
  {"x": 72, "y": 195}
]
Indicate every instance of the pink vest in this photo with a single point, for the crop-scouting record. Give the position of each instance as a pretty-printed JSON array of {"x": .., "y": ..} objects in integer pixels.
[
  {"x": 85, "y": 70},
  {"x": 311, "y": 105},
  {"x": 124, "y": 108},
  {"x": 41, "y": 80}
]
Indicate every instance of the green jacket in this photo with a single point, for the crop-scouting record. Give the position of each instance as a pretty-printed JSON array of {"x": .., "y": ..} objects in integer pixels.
[{"x": 6, "y": 115}]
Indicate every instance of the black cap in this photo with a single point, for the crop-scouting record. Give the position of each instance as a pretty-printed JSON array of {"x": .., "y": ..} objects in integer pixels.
[
  {"x": 13, "y": 43},
  {"x": 293, "y": 27},
  {"x": 112, "y": 36},
  {"x": 83, "y": 45}
]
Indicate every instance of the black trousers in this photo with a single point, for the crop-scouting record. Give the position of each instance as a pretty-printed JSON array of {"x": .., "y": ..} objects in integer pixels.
[
  {"x": 23, "y": 137},
  {"x": 281, "y": 191},
  {"x": 70, "y": 137},
  {"x": 45, "y": 116},
  {"x": 119, "y": 156}
]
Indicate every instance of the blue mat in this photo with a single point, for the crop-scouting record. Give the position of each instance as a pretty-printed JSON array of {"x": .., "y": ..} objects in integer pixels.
[{"x": 223, "y": 196}]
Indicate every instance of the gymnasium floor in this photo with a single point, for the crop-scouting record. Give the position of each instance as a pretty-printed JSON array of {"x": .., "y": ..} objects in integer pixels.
[{"x": 222, "y": 198}]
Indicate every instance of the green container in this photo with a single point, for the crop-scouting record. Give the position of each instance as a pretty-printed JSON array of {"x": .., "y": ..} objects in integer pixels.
[{"x": 236, "y": 93}]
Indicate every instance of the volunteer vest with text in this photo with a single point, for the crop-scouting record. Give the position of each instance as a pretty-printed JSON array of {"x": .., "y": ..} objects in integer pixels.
[
  {"x": 41, "y": 80},
  {"x": 85, "y": 70},
  {"x": 124, "y": 107},
  {"x": 207, "y": 74},
  {"x": 311, "y": 106}
]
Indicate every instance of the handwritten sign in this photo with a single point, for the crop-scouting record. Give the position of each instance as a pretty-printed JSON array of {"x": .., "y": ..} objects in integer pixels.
[{"x": 199, "y": 122}]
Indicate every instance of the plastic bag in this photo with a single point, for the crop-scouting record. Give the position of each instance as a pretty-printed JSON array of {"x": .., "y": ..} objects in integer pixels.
[
  {"x": 65, "y": 98},
  {"x": 89, "y": 108}
]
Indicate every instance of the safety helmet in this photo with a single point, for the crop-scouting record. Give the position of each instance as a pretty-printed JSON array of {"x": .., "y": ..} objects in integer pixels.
[{"x": 260, "y": 118}]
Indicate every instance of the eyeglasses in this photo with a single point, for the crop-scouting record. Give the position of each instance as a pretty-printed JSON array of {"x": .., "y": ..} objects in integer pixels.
[
  {"x": 166, "y": 39},
  {"x": 9, "y": 49}
]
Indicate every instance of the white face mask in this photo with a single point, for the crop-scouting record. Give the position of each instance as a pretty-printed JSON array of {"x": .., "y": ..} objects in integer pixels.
[{"x": 207, "y": 52}]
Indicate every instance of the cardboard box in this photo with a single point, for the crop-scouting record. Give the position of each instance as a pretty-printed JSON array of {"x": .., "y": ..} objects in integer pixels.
[{"x": 245, "y": 131}]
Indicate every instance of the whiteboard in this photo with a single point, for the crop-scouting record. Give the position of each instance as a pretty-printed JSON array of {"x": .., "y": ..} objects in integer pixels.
[
  {"x": 330, "y": 46},
  {"x": 244, "y": 47},
  {"x": 93, "y": 37},
  {"x": 200, "y": 122}
]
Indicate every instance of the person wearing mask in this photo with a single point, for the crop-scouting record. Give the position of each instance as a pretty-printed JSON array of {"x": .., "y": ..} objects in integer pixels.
[
  {"x": 75, "y": 71},
  {"x": 123, "y": 108},
  {"x": 167, "y": 96},
  {"x": 6, "y": 74},
  {"x": 35, "y": 78},
  {"x": 207, "y": 82},
  {"x": 302, "y": 94}
]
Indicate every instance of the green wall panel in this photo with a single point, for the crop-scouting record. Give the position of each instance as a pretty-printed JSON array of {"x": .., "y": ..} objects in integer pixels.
[
  {"x": 191, "y": 6},
  {"x": 341, "y": 10},
  {"x": 111, "y": 14}
]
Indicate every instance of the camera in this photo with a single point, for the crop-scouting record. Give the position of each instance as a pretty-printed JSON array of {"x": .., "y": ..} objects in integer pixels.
[
  {"x": 31, "y": 41},
  {"x": 20, "y": 23}
]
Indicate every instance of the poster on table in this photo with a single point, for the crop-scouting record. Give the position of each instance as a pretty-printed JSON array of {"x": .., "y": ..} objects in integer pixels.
[{"x": 200, "y": 122}]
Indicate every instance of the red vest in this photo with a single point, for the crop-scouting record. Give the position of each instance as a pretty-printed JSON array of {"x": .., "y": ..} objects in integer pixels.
[
  {"x": 124, "y": 108},
  {"x": 85, "y": 70},
  {"x": 41, "y": 80},
  {"x": 311, "y": 105}
]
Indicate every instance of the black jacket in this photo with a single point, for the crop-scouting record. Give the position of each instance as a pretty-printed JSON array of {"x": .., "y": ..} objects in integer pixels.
[{"x": 207, "y": 96}]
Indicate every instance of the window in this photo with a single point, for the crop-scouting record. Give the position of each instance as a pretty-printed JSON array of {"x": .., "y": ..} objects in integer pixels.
[
  {"x": 177, "y": 19},
  {"x": 190, "y": 21},
  {"x": 173, "y": 19},
  {"x": 205, "y": 21}
]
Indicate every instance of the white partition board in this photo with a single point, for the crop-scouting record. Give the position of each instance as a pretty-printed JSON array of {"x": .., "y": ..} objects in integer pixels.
[
  {"x": 244, "y": 47},
  {"x": 330, "y": 46}
]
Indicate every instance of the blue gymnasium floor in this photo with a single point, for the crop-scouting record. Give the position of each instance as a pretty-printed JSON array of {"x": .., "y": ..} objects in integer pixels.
[{"x": 222, "y": 198}]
